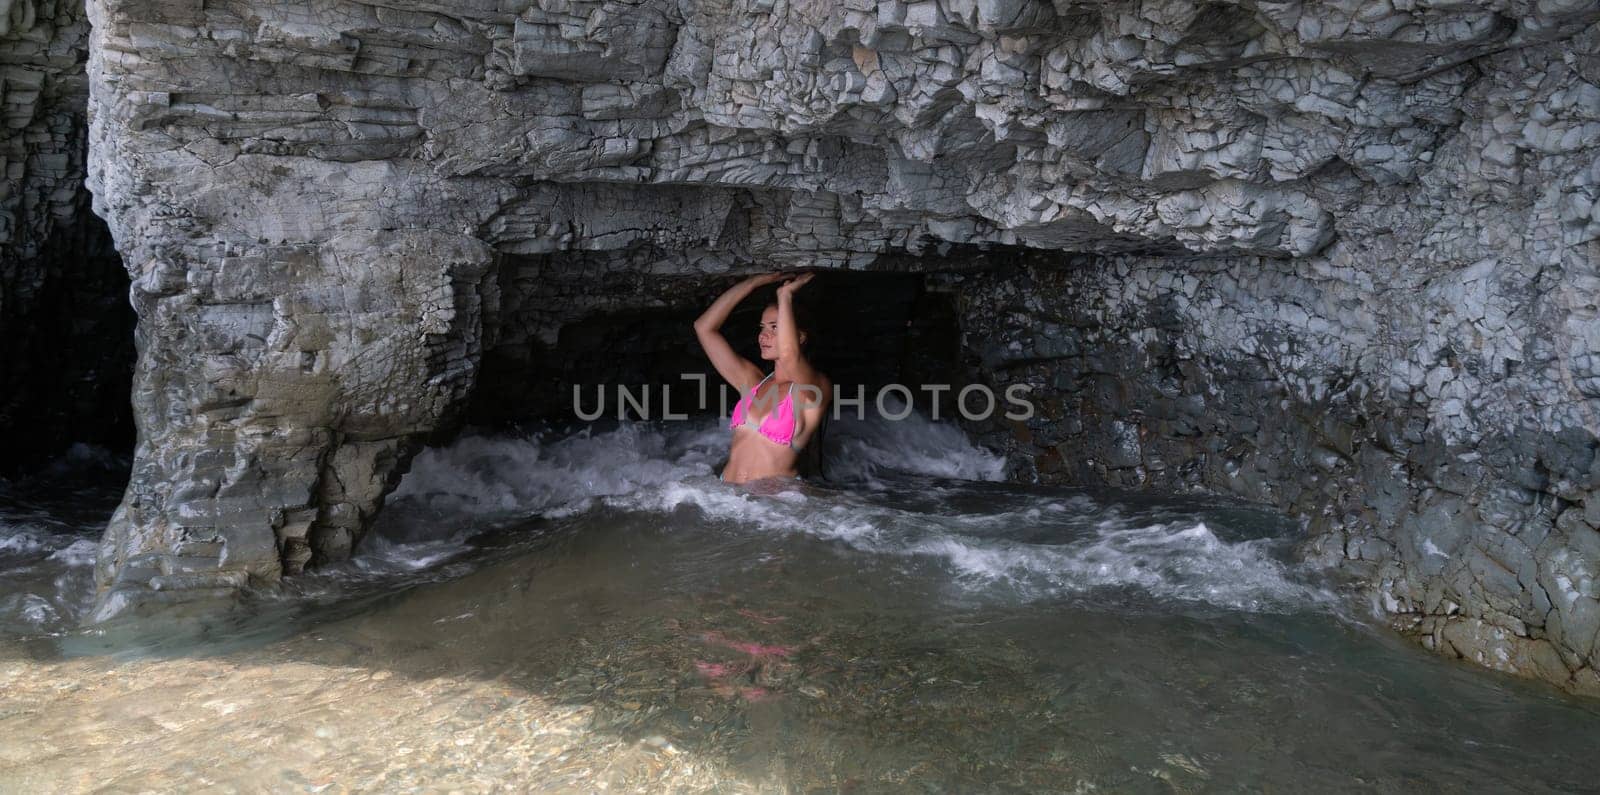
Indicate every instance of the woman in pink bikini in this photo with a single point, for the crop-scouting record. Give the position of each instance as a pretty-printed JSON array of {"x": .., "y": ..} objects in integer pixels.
[{"x": 772, "y": 422}]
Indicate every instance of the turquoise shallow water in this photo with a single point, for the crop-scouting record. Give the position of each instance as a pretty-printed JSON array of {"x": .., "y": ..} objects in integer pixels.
[{"x": 922, "y": 630}]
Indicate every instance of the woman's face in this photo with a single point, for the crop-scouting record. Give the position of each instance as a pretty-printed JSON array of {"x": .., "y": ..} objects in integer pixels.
[{"x": 768, "y": 337}]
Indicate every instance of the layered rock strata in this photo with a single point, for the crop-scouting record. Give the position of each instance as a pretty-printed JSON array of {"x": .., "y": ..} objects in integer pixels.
[
  {"x": 1424, "y": 392},
  {"x": 1384, "y": 214}
]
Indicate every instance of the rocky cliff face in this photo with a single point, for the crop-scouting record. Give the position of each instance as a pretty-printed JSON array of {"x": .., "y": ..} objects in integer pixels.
[{"x": 1338, "y": 256}]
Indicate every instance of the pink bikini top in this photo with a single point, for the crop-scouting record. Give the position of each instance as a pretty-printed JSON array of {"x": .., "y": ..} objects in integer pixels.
[{"x": 779, "y": 425}]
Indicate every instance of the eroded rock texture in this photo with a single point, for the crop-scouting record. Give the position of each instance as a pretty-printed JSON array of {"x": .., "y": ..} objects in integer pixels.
[
  {"x": 1339, "y": 256},
  {"x": 1425, "y": 391}
]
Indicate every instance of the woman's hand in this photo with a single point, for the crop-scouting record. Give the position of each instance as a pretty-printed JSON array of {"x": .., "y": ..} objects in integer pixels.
[
  {"x": 789, "y": 287},
  {"x": 763, "y": 279}
]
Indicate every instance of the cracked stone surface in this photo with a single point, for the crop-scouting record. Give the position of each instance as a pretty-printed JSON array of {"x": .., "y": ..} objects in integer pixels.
[
  {"x": 1338, "y": 256},
  {"x": 1423, "y": 391},
  {"x": 42, "y": 95}
]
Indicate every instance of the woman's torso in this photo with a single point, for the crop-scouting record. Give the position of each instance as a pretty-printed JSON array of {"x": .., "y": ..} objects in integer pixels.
[{"x": 751, "y": 454}]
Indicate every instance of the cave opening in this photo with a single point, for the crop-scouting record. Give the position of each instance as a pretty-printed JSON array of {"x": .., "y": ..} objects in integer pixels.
[
  {"x": 66, "y": 369},
  {"x": 564, "y": 339}
]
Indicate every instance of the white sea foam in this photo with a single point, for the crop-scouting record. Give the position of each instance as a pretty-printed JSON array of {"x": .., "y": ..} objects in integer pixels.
[
  {"x": 522, "y": 476},
  {"x": 489, "y": 476},
  {"x": 79, "y": 553},
  {"x": 1014, "y": 542},
  {"x": 382, "y": 554},
  {"x": 1183, "y": 561},
  {"x": 30, "y": 610},
  {"x": 866, "y": 449},
  {"x": 45, "y": 579},
  {"x": 668, "y": 468},
  {"x": 21, "y": 540},
  {"x": 30, "y": 541}
]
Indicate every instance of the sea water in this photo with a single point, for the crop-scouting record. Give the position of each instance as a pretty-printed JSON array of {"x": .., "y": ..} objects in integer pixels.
[{"x": 592, "y": 609}]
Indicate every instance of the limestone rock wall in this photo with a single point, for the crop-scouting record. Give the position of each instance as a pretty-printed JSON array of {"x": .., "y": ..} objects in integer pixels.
[
  {"x": 311, "y": 202},
  {"x": 42, "y": 98},
  {"x": 1425, "y": 392}
]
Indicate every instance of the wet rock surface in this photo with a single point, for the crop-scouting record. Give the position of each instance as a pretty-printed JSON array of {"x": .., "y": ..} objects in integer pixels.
[
  {"x": 1363, "y": 236},
  {"x": 1419, "y": 393}
]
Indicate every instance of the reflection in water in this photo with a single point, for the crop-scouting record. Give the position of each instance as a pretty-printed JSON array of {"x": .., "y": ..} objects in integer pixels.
[{"x": 598, "y": 611}]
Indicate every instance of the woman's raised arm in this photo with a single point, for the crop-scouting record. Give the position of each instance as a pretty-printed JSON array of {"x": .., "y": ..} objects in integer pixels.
[
  {"x": 733, "y": 368},
  {"x": 788, "y": 335},
  {"x": 813, "y": 396}
]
